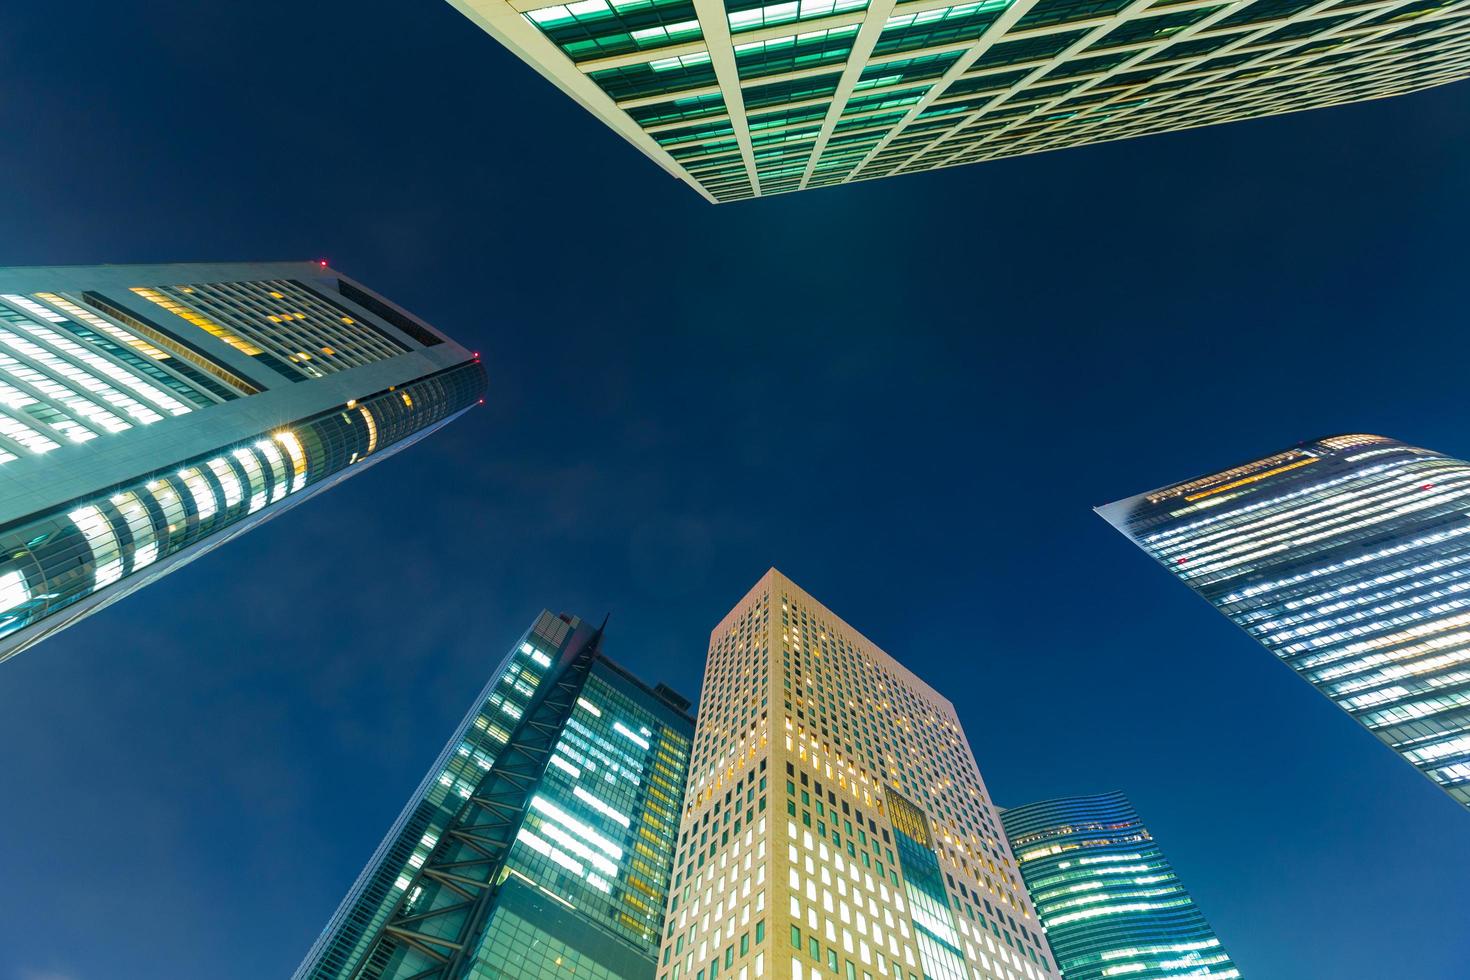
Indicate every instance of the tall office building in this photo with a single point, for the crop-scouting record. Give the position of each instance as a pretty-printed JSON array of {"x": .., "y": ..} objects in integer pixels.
[
  {"x": 1348, "y": 558},
  {"x": 540, "y": 843},
  {"x": 151, "y": 413},
  {"x": 835, "y": 824},
  {"x": 748, "y": 98},
  {"x": 1111, "y": 902}
]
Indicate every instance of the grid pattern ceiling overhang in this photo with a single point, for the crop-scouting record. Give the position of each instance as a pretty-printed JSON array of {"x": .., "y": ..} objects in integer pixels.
[{"x": 748, "y": 98}]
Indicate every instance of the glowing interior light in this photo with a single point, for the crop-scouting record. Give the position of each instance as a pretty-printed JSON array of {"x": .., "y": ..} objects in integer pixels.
[
  {"x": 250, "y": 463},
  {"x": 24, "y": 434},
  {"x": 60, "y": 393},
  {"x": 600, "y": 806},
  {"x": 537, "y": 844},
  {"x": 277, "y": 463},
  {"x": 555, "y": 812},
  {"x": 140, "y": 524},
  {"x": 60, "y": 367},
  {"x": 298, "y": 458},
  {"x": 97, "y": 323},
  {"x": 201, "y": 492},
  {"x": 579, "y": 849},
  {"x": 197, "y": 319},
  {"x": 98, "y": 363},
  {"x": 13, "y": 590},
  {"x": 372, "y": 427},
  {"x": 629, "y": 734},
  {"x": 168, "y": 501},
  {"x": 228, "y": 481},
  {"x": 102, "y": 540}
]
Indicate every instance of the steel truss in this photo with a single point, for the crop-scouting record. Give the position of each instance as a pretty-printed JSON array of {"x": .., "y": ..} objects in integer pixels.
[{"x": 435, "y": 930}]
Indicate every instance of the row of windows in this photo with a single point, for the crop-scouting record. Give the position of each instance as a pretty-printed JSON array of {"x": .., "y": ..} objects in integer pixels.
[
  {"x": 1353, "y": 566},
  {"x": 1167, "y": 117},
  {"x": 1110, "y": 901},
  {"x": 1140, "y": 37},
  {"x": 58, "y": 559},
  {"x": 73, "y": 368},
  {"x": 600, "y": 832},
  {"x": 64, "y": 377},
  {"x": 279, "y": 322},
  {"x": 588, "y": 29},
  {"x": 843, "y": 862}
]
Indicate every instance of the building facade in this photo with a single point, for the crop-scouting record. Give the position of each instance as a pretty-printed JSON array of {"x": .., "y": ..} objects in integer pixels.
[
  {"x": 1109, "y": 899},
  {"x": 150, "y": 413},
  {"x": 749, "y": 98},
  {"x": 835, "y": 824},
  {"x": 1349, "y": 559},
  {"x": 540, "y": 843}
]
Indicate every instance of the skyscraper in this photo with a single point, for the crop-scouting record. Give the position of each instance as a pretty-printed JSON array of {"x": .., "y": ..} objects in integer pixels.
[
  {"x": 151, "y": 413},
  {"x": 539, "y": 845},
  {"x": 835, "y": 824},
  {"x": 1111, "y": 902},
  {"x": 748, "y": 98},
  {"x": 1349, "y": 559}
]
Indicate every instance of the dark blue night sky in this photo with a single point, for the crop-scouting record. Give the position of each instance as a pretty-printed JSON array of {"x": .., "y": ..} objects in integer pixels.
[{"x": 907, "y": 394}]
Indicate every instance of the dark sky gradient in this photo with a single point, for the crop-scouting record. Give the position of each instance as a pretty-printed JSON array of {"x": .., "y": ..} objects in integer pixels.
[{"x": 908, "y": 395}]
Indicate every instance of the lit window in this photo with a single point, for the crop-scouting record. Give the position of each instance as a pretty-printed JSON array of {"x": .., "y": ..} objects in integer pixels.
[
  {"x": 201, "y": 492},
  {"x": 13, "y": 590},
  {"x": 102, "y": 541}
]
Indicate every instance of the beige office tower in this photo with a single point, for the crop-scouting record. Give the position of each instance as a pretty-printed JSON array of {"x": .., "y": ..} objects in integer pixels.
[{"x": 835, "y": 824}]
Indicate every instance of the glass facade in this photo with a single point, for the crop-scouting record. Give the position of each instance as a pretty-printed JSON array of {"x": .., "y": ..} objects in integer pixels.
[
  {"x": 579, "y": 881},
  {"x": 1135, "y": 68},
  {"x": 936, "y": 932},
  {"x": 143, "y": 423},
  {"x": 1349, "y": 559},
  {"x": 1111, "y": 902},
  {"x": 835, "y": 825},
  {"x": 280, "y": 319}
]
